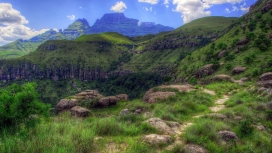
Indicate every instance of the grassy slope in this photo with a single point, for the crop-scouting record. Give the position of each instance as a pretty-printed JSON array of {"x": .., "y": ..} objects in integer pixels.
[
  {"x": 156, "y": 59},
  {"x": 98, "y": 50},
  {"x": 259, "y": 59},
  {"x": 17, "y": 49}
]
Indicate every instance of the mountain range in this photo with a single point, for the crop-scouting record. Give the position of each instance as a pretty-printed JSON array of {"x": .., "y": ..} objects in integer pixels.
[{"x": 112, "y": 22}]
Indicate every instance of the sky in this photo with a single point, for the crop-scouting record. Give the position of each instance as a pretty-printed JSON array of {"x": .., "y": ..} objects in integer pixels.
[{"x": 23, "y": 19}]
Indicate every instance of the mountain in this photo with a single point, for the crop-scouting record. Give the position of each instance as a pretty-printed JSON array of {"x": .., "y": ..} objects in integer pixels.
[
  {"x": 244, "y": 51},
  {"x": 117, "y": 22},
  {"x": 113, "y": 22}
]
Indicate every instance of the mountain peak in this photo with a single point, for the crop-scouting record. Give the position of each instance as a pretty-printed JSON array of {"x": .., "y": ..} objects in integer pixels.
[{"x": 113, "y": 17}]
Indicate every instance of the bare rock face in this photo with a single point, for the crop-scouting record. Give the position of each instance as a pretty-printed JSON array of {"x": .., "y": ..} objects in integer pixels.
[
  {"x": 155, "y": 139},
  {"x": 153, "y": 97},
  {"x": 113, "y": 100},
  {"x": 222, "y": 77},
  {"x": 204, "y": 71},
  {"x": 238, "y": 70},
  {"x": 166, "y": 127},
  {"x": 192, "y": 148},
  {"x": 242, "y": 42},
  {"x": 66, "y": 104},
  {"x": 227, "y": 135},
  {"x": 122, "y": 97},
  {"x": 79, "y": 111}
]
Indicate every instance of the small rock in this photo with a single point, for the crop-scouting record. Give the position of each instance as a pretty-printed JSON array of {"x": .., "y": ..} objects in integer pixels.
[
  {"x": 222, "y": 53},
  {"x": 242, "y": 42},
  {"x": 138, "y": 111},
  {"x": 164, "y": 126},
  {"x": 227, "y": 135},
  {"x": 222, "y": 77},
  {"x": 157, "y": 139},
  {"x": 79, "y": 111},
  {"x": 148, "y": 114},
  {"x": 238, "y": 117},
  {"x": 220, "y": 116},
  {"x": 153, "y": 97},
  {"x": 192, "y": 148},
  {"x": 261, "y": 128},
  {"x": 124, "y": 112}
]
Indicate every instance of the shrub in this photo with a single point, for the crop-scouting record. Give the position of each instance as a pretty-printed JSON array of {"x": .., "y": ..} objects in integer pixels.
[
  {"x": 230, "y": 57},
  {"x": 248, "y": 59},
  {"x": 250, "y": 36},
  {"x": 245, "y": 128},
  {"x": 228, "y": 66},
  {"x": 20, "y": 105},
  {"x": 222, "y": 46},
  {"x": 263, "y": 43},
  {"x": 252, "y": 26}
]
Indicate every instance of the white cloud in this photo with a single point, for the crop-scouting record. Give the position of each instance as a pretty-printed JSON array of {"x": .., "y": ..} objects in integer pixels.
[
  {"x": 148, "y": 9},
  {"x": 71, "y": 17},
  {"x": 227, "y": 10},
  {"x": 234, "y": 8},
  {"x": 243, "y": 8},
  {"x": 149, "y": 1},
  {"x": 9, "y": 16},
  {"x": 119, "y": 7},
  {"x": 166, "y": 3},
  {"x": 14, "y": 32},
  {"x": 193, "y": 9},
  {"x": 12, "y": 25}
]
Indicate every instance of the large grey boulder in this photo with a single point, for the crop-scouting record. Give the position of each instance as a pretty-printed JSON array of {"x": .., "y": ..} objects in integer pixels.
[
  {"x": 167, "y": 127},
  {"x": 156, "y": 139},
  {"x": 79, "y": 111},
  {"x": 66, "y": 104}
]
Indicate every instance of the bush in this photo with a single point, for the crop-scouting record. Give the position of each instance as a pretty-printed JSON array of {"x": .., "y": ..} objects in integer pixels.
[
  {"x": 246, "y": 128},
  {"x": 250, "y": 36},
  {"x": 228, "y": 66},
  {"x": 19, "y": 105},
  {"x": 263, "y": 43}
]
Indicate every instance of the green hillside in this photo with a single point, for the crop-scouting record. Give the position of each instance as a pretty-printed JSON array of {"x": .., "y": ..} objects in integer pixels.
[
  {"x": 166, "y": 49},
  {"x": 247, "y": 44}
]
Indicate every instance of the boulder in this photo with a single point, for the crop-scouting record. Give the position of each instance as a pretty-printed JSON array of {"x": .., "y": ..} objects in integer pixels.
[
  {"x": 122, "y": 97},
  {"x": 219, "y": 116},
  {"x": 265, "y": 80},
  {"x": 222, "y": 77},
  {"x": 222, "y": 53},
  {"x": 124, "y": 112},
  {"x": 242, "y": 42},
  {"x": 238, "y": 70},
  {"x": 113, "y": 100},
  {"x": 138, "y": 111},
  {"x": 80, "y": 111},
  {"x": 66, "y": 104},
  {"x": 227, "y": 135},
  {"x": 164, "y": 126},
  {"x": 153, "y": 97},
  {"x": 204, "y": 71},
  {"x": 155, "y": 139},
  {"x": 192, "y": 148},
  {"x": 103, "y": 102}
]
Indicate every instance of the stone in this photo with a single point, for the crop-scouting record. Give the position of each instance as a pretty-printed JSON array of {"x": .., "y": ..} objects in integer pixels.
[
  {"x": 269, "y": 105},
  {"x": 222, "y": 53},
  {"x": 227, "y": 135},
  {"x": 124, "y": 112},
  {"x": 80, "y": 111},
  {"x": 192, "y": 148},
  {"x": 103, "y": 102},
  {"x": 238, "y": 70},
  {"x": 156, "y": 139},
  {"x": 66, "y": 104},
  {"x": 266, "y": 76},
  {"x": 148, "y": 115},
  {"x": 166, "y": 127},
  {"x": 138, "y": 111},
  {"x": 153, "y": 97},
  {"x": 113, "y": 100},
  {"x": 122, "y": 97},
  {"x": 242, "y": 42},
  {"x": 260, "y": 128},
  {"x": 265, "y": 80}
]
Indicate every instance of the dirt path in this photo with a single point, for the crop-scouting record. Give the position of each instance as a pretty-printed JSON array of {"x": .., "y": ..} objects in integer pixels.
[{"x": 219, "y": 105}]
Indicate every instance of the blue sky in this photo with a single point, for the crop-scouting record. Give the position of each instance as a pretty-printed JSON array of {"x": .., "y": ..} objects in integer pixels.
[{"x": 23, "y": 19}]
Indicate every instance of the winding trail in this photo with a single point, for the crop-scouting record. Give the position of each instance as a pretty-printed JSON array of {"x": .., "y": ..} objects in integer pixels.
[{"x": 219, "y": 105}]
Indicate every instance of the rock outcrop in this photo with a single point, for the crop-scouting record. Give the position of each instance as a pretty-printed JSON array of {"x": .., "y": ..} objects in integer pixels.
[
  {"x": 265, "y": 80},
  {"x": 155, "y": 139},
  {"x": 238, "y": 70},
  {"x": 167, "y": 127},
  {"x": 227, "y": 136},
  {"x": 79, "y": 111},
  {"x": 222, "y": 77},
  {"x": 155, "y": 96},
  {"x": 242, "y": 42},
  {"x": 267, "y": 7},
  {"x": 66, "y": 104}
]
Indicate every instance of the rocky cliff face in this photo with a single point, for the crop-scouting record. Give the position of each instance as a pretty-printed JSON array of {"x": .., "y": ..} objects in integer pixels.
[{"x": 29, "y": 71}]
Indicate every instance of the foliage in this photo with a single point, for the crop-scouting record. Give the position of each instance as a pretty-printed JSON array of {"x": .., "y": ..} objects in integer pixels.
[
  {"x": 20, "y": 105},
  {"x": 263, "y": 43},
  {"x": 246, "y": 128}
]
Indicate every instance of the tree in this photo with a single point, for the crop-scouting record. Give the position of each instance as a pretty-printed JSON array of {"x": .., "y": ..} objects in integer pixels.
[{"x": 19, "y": 105}]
